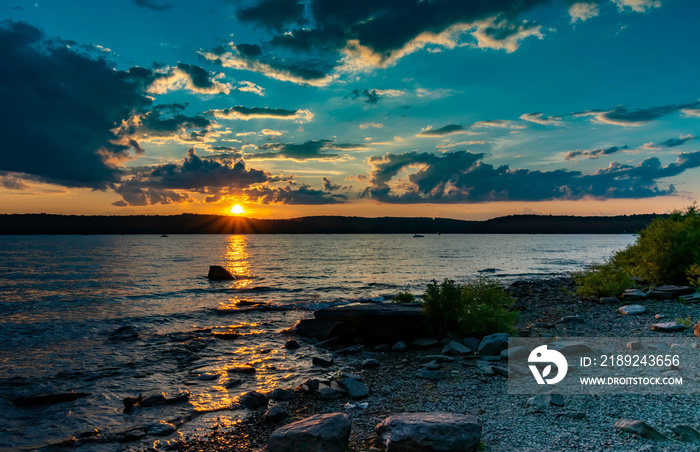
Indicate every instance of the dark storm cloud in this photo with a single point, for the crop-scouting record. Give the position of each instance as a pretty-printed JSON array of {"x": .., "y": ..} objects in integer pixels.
[
  {"x": 276, "y": 14},
  {"x": 166, "y": 121},
  {"x": 673, "y": 142},
  {"x": 442, "y": 131},
  {"x": 622, "y": 116},
  {"x": 292, "y": 195},
  {"x": 368, "y": 95},
  {"x": 329, "y": 185},
  {"x": 309, "y": 42},
  {"x": 156, "y": 184},
  {"x": 309, "y": 150},
  {"x": 463, "y": 177},
  {"x": 595, "y": 153},
  {"x": 59, "y": 107},
  {"x": 183, "y": 76},
  {"x": 150, "y": 4}
]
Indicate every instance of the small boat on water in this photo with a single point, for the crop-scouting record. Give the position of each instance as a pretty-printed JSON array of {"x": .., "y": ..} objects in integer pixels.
[{"x": 418, "y": 235}]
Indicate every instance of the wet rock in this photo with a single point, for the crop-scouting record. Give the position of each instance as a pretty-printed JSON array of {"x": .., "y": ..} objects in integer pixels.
[
  {"x": 89, "y": 434},
  {"x": 400, "y": 346},
  {"x": 207, "y": 377},
  {"x": 254, "y": 400},
  {"x": 639, "y": 428},
  {"x": 424, "y": 343},
  {"x": 161, "y": 399},
  {"x": 275, "y": 413},
  {"x": 125, "y": 333},
  {"x": 219, "y": 273},
  {"x": 319, "y": 433},
  {"x": 667, "y": 327},
  {"x": 321, "y": 362},
  {"x": 429, "y": 432},
  {"x": 160, "y": 429},
  {"x": 352, "y": 350},
  {"x": 331, "y": 393},
  {"x": 432, "y": 374},
  {"x": 47, "y": 399},
  {"x": 632, "y": 309},
  {"x": 282, "y": 395},
  {"x": 455, "y": 348},
  {"x": 686, "y": 434},
  {"x": 370, "y": 363},
  {"x": 292, "y": 345},
  {"x": 634, "y": 295},
  {"x": 493, "y": 344},
  {"x": 356, "y": 389},
  {"x": 669, "y": 292},
  {"x": 311, "y": 385},
  {"x": 225, "y": 335},
  {"x": 234, "y": 383},
  {"x": 131, "y": 435},
  {"x": 241, "y": 370}
]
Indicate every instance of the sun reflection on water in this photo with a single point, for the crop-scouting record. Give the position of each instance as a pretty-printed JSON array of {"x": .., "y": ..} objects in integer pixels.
[{"x": 237, "y": 256}]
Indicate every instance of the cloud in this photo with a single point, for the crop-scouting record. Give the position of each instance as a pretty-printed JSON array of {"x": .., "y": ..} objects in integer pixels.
[
  {"x": 691, "y": 112},
  {"x": 594, "y": 154},
  {"x": 150, "y": 4},
  {"x": 499, "y": 123},
  {"x": 330, "y": 186},
  {"x": 167, "y": 122},
  {"x": 583, "y": 11},
  {"x": 449, "y": 129},
  {"x": 640, "y": 6},
  {"x": 670, "y": 143},
  {"x": 12, "y": 181},
  {"x": 367, "y": 125},
  {"x": 292, "y": 195},
  {"x": 309, "y": 150},
  {"x": 246, "y": 113},
  {"x": 539, "y": 118},
  {"x": 370, "y": 96},
  {"x": 621, "y": 116},
  {"x": 182, "y": 76},
  {"x": 462, "y": 177},
  {"x": 276, "y": 14},
  {"x": 250, "y": 87},
  {"x": 272, "y": 133},
  {"x": 158, "y": 184},
  {"x": 59, "y": 109}
]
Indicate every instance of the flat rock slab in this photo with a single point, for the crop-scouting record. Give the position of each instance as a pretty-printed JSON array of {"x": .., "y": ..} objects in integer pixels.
[
  {"x": 319, "y": 433},
  {"x": 634, "y": 295},
  {"x": 632, "y": 309},
  {"x": 639, "y": 428},
  {"x": 686, "y": 434},
  {"x": 455, "y": 348},
  {"x": 692, "y": 298},
  {"x": 429, "y": 432},
  {"x": 670, "y": 292},
  {"x": 667, "y": 327}
]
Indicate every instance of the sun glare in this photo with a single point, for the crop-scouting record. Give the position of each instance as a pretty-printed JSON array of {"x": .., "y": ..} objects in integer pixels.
[{"x": 237, "y": 209}]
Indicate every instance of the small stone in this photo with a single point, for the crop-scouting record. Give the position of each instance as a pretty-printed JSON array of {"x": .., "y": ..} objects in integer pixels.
[
  {"x": 432, "y": 365},
  {"x": 385, "y": 390},
  {"x": 321, "y": 362},
  {"x": 540, "y": 402},
  {"x": 667, "y": 327},
  {"x": 319, "y": 433},
  {"x": 275, "y": 413},
  {"x": 455, "y": 348},
  {"x": 639, "y": 428},
  {"x": 282, "y": 395},
  {"x": 632, "y": 309},
  {"x": 370, "y": 363},
  {"x": 311, "y": 385},
  {"x": 254, "y": 400},
  {"x": 292, "y": 345},
  {"x": 660, "y": 316},
  {"x": 233, "y": 383},
  {"x": 634, "y": 345},
  {"x": 131, "y": 435},
  {"x": 429, "y": 432},
  {"x": 485, "y": 368},
  {"x": 331, "y": 393},
  {"x": 242, "y": 370},
  {"x": 399, "y": 346},
  {"x": 608, "y": 300},
  {"x": 382, "y": 348},
  {"x": 572, "y": 319},
  {"x": 439, "y": 358},
  {"x": 686, "y": 434},
  {"x": 356, "y": 389},
  {"x": 424, "y": 343},
  {"x": 352, "y": 350}
]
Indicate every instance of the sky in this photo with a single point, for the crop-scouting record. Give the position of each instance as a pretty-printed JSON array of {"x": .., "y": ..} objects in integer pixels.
[{"x": 464, "y": 109}]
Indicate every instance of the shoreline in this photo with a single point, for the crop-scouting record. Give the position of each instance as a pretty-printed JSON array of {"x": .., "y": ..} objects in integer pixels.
[{"x": 584, "y": 422}]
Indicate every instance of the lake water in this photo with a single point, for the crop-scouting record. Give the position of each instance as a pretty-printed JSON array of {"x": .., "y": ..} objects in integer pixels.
[{"x": 61, "y": 297}]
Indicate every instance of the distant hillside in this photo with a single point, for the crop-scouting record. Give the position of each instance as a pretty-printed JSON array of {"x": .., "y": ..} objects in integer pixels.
[{"x": 216, "y": 224}]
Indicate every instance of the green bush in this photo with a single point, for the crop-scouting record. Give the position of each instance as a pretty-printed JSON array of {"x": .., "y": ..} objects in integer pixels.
[
  {"x": 693, "y": 275},
  {"x": 404, "y": 297},
  {"x": 477, "y": 308},
  {"x": 603, "y": 280},
  {"x": 666, "y": 251}
]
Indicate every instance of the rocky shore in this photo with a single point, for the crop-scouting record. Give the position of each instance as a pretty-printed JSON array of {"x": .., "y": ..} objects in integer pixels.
[{"x": 372, "y": 383}]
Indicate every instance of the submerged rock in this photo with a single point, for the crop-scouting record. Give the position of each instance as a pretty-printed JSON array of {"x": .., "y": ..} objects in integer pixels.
[
  {"x": 292, "y": 345},
  {"x": 282, "y": 395},
  {"x": 219, "y": 273},
  {"x": 47, "y": 399},
  {"x": 639, "y": 428},
  {"x": 319, "y": 433},
  {"x": 429, "y": 432}
]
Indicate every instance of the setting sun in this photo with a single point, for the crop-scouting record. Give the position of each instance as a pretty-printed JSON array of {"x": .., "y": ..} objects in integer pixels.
[{"x": 237, "y": 209}]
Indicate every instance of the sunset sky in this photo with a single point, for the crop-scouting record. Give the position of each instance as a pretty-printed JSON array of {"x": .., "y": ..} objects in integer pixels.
[{"x": 437, "y": 108}]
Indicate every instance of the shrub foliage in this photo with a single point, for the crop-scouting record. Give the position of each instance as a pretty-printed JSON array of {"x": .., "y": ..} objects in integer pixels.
[{"x": 477, "y": 308}]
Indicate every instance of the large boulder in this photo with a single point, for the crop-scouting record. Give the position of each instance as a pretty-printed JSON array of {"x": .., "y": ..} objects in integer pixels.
[
  {"x": 493, "y": 344},
  {"x": 319, "y": 433},
  {"x": 219, "y": 273},
  {"x": 381, "y": 321},
  {"x": 429, "y": 432}
]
